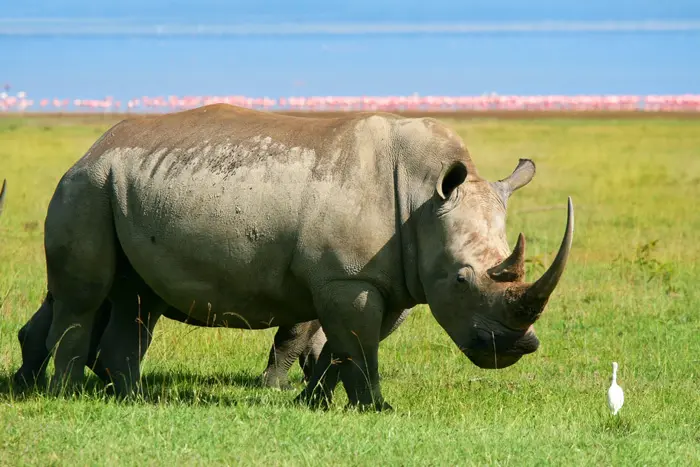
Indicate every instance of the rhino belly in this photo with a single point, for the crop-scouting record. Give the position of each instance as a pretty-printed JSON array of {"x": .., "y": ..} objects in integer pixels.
[
  {"x": 216, "y": 248},
  {"x": 220, "y": 281}
]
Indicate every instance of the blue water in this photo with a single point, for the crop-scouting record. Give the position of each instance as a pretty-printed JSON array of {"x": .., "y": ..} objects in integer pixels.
[
  {"x": 124, "y": 65},
  {"x": 355, "y": 10}
]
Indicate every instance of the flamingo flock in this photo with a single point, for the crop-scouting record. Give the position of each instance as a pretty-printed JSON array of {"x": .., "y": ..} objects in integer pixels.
[{"x": 21, "y": 102}]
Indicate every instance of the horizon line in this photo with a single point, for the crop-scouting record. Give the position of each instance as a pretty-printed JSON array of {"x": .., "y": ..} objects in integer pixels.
[{"x": 29, "y": 27}]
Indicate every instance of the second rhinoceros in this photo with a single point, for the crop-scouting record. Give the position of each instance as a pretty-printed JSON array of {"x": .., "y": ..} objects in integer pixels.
[
  {"x": 2, "y": 195},
  {"x": 251, "y": 220}
]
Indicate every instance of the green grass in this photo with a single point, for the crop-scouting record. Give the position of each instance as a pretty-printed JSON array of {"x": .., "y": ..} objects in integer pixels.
[{"x": 630, "y": 294}]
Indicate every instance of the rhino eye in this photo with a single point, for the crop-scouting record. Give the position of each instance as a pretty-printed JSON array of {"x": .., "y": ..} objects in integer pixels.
[{"x": 465, "y": 274}]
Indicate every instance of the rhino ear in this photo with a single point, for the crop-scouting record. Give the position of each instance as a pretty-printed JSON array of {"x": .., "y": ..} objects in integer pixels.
[{"x": 451, "y": 177}]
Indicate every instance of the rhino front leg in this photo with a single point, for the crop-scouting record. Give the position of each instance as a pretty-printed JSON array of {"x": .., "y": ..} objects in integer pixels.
[
  {"x": 351, "y": 316},
  {"x": 290, "y": 343},
  {"x": 309, "y": 357}
]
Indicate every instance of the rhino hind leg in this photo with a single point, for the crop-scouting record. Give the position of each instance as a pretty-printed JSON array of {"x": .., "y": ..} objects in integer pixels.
[
  {"x": 69, "y": 337},
  {"x": 98, "y": 328},
  {"x": 80, "y": 245},
  {"x": 289, "y": 344},
  {"x": 32, "y": 339}
]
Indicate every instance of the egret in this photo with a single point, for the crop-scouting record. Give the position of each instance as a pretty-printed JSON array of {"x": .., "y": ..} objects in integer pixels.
[{"x": 615, "y": 395}]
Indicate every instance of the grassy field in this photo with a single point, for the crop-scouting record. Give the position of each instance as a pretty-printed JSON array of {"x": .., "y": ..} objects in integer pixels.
[{"x": 630, "y": 294}]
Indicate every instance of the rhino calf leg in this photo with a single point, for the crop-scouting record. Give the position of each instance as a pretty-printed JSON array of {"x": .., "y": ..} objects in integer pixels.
[
  {"x": 311, "y": 354},
  {"x": 351, "y": 316},
  {"x": 289, "y": 344}
]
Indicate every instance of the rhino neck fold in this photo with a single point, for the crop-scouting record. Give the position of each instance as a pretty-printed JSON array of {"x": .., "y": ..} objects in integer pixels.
[{"x": 408, "y": 244}]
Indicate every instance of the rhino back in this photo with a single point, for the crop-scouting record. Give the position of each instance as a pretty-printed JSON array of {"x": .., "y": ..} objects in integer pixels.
[{"x": 228, "y": 210}]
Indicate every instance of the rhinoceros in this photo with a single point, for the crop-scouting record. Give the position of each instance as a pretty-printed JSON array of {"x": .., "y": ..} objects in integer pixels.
[{"x": 253, "y": 219}]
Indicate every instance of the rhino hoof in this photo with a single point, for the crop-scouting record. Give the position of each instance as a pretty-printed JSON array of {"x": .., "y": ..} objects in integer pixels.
[
  {"x": 314, "y": 401},
  {"x": 375, "y": 407},
  {"x": 385, "y": 407},
  {"x": 27, "y": 379},
  {"x": 271, "y": 380}
]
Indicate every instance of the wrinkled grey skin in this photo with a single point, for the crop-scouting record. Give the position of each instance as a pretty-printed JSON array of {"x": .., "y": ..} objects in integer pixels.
[
  {"x": 302, "y": 341},
  {"x": 252, "y": 220}
]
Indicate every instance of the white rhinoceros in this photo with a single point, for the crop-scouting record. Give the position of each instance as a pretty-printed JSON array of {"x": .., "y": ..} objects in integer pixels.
[{"x": 252, "y": 220}]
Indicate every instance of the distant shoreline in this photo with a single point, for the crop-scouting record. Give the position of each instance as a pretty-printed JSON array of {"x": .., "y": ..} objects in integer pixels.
[
  {"x": 447, "y": 114},
  {"x": 114, "y": 27}
]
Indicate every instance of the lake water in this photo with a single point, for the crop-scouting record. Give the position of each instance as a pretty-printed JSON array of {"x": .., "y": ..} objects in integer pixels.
[{"x": 127, "y": 65}]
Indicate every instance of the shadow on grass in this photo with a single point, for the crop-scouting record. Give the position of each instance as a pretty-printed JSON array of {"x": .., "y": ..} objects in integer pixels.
[
  {"x": 240, "y": 379},
  {"x": 173, "y": 387}
]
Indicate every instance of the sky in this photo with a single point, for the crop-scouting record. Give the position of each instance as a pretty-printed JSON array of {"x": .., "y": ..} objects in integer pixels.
[{"x": 130, "y": 48}]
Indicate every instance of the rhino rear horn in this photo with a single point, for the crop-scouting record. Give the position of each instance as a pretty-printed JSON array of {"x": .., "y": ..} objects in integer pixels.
[
  {"x": 2, "y": 195},
  {"x": 513, "y": 267},
  {"x": 520, "y": 177}
]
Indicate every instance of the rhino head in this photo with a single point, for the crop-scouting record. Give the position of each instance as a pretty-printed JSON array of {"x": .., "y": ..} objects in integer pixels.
[{"x": 474, "y": 286}]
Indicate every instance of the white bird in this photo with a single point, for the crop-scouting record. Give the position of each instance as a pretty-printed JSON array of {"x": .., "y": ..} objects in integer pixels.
[{"x": 615, "y": 395}]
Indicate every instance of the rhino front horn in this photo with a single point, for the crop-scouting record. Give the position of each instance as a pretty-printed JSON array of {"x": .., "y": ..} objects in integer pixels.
[
  {"x": 538, "y": 293},
  {"x": 513, "y": 267},
  {"x": 2, "y": 195}
]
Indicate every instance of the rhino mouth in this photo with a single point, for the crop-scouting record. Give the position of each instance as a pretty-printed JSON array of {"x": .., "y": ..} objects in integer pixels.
[{"x": 491, "y": 350}]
